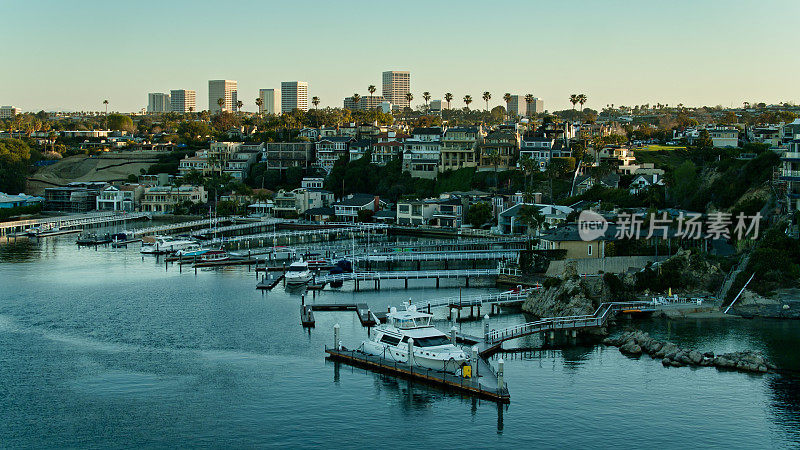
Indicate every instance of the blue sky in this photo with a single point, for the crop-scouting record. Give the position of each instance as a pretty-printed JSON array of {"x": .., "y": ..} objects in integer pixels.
[{"x": 71, "y": 55}]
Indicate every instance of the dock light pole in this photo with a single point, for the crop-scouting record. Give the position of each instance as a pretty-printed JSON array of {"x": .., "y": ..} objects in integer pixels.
[
  {"x": 486, "y": 328},
  {"x": 475, "y": 361},
  {"x": 500, "y": 364},
  {"x": 411, "y": 352},
  {"x": 336, "y": 337},
  {"x": 453, "y": 331}
]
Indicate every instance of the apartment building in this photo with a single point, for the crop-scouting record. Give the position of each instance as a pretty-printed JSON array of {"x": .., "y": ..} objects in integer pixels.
[
  {"x": 790, "y": 174},
  {"x": 282, "y": 155},
  {"x": 7, "y": 112},
  {"x": 422, "y": 151},
  {"x": 396, "y": 84},
  {"x": 270, "y": 101},
  {"x": 183, "y": 101},
  {"x": 158, "y": 102},
  {"x": 366, "y": 103},
  {"x": 294, "y": 95},
  {"x": 534, "y": 107},
  {"x": 225, "y": 90}
]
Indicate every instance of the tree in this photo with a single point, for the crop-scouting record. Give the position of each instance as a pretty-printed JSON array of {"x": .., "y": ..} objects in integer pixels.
[
  {"x": 582, "y": 99},
  {"x": 531, "y": 217},
  {"x": 356, "y": 99},
  {"x": 486, "y": 97},
  {"x": 574, "y": 100},
  {"x": 409, "y": 98},
  {"x": 426, "y": 96},
  {"x": 259, "y": 103},
  {"x": 467, "y": 100},
  {"x": 15, "y": 158},
  {"x": 507, "y": 99},
  {"x": 704, "y": 141},
  {"x": 528, "y": 101},
  {"x": 105, "y": 103},
  {"x": 365, "y": 215},
  {"x": 315, "y": 101},
  {"x": 448, "y": 97},
  {"x": 239, "y": 105},
  {"x": 479, "y": 214},
  {"x": 119, "y": 122},
  {"x": 221, "y": 103},
  {"x": 371, "y": 89}
]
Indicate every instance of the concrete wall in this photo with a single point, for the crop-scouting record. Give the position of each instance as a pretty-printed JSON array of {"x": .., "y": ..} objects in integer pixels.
[{"x": 613, "y": 264}]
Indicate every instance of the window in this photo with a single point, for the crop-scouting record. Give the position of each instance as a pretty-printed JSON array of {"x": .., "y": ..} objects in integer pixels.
[
  {"x": 590, "y": 249},
  {"x": 391, "y": 340}
]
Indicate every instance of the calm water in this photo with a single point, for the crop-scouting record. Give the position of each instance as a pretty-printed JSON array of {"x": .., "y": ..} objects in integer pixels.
[{"x": 105, "y": 348}]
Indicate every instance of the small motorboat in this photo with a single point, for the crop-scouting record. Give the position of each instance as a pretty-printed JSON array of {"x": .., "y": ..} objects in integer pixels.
[
  {"x": 214, "y": 256},
  {"x": 431, "y": 348},
  {"x": 298, "y": 273},
  {"x": 93, "y": 239},
  {"x": 166, "y": 245}
]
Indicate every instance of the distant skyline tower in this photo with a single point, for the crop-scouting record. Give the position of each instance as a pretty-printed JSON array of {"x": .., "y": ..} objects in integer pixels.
[
  {"x": 183, "y": 101},
  {"x": 271, "y": 99},
  {"x": 158, "y": 102},
  {"x": 534, "y": 107},
  {"x": 222, "y": 89},
  {"x": 294, "y": 95},
  {"x": 396, "y": 84}
]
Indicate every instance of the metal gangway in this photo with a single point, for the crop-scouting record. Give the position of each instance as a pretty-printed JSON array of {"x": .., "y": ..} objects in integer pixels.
[
  {"x": 467, "y": 255},
  {"x": 339, "y": 230},
  {"x": 237, "y": 227},
  {"x": 403, "y": 275},
  {"x": 497, "y": 298},
  {"x": 173, "y": 227}
]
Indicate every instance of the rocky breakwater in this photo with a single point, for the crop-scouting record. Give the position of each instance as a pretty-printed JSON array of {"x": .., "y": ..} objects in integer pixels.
[{"x": 639, "y": 342}]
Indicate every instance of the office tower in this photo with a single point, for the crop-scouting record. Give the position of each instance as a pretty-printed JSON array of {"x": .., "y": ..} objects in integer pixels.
[
  {"x": 222, "y": 89},
  {"x": 517, "y": 106},
  {"x": 158, "y": 102},
  {"x": 183, "y": 101},
  {"x": 365, "y": 103},
  {"x": 535, "y": 107},
  {"x": 271, "y": 99},
  {"x": 294, "y": 95},
  {"x": 396, "y": 84}
]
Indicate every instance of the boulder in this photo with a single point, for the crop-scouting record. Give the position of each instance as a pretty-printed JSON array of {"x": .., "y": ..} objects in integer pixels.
[
  {"x": 695, "y": 357},
  {"x": 631, "y": 348}
]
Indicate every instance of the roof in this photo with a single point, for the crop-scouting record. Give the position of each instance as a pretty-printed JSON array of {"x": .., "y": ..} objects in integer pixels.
[
  {"x": 427, "y": 130},
  {"x": 567, "y": 232},
  {"x": 544, "y": 209},
  {"x": 357, "y": 200},
  {"x": 336, "y": 139}
]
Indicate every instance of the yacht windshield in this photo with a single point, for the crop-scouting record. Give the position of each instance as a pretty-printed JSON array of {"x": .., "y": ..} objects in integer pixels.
[
  {"x": 297, "y": 269},
  {"x": 432, "y": 341}
]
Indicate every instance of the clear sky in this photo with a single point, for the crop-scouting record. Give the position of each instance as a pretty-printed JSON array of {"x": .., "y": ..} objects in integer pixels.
[{"x": 71, "y": 55}]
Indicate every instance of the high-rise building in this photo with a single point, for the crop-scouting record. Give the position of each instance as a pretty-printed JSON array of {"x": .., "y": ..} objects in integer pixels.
[
  {"x": 225, "y": 90},
  {"x": 271, "y": 101},
  {"x": 517, "y": 106},
  {"x": 294, "y": 95},
  {"x": 7, "y": 112},
  {"x": 158, "y": 102},
  {"x": 396, "y": 84},
  {"x": 534, "y": 107},
  {"x": 183, "y": 101}
]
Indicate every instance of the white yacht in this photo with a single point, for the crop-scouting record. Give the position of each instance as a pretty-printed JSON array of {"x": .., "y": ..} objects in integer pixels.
[
  {"x": 432, "y": 349},
  {"x": 298, "y": 273},
  {"x": 164, "y": 245}
]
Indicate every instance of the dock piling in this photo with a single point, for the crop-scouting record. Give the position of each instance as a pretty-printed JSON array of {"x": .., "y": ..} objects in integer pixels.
[
  {"x": 500, "y": 364},
  {"x": 336, "y": 337}
]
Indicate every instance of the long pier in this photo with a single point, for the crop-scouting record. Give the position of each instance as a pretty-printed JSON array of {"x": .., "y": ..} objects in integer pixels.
[
  {"x": 403, "y": 275},
  {"x": 498, "y": 298},
  {"x": 438, "y": 256},
  {"x": 69, "y": 221},
  {"x": 178, "y": 226},
  {"x": 204, "y": 232}
]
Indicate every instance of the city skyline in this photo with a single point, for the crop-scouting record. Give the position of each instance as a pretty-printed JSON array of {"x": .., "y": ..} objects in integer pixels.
[{"x": 613, "y": 54}]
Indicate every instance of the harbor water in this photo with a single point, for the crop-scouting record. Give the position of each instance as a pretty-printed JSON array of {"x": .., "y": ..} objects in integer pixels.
[{"x": 106, "y": 348}]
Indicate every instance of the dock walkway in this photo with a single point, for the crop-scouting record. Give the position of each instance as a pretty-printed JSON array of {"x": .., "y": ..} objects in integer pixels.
[
  {"x": 403, "y": 275},
  {"x": 69, "y": 221}
]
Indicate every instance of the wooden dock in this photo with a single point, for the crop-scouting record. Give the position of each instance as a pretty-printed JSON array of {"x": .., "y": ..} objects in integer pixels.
[
  {"x": 362, "y": 310},
  {"x": 307, "y": 316},
  {"x": 488, "y": 384},
  {"x": 59, "y": 232}
]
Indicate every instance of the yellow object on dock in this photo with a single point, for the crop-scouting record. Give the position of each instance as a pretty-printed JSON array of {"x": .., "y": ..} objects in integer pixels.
[{"x": 466, "y": 371}]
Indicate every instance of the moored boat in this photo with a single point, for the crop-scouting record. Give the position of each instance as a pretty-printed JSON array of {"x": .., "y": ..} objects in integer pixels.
[{"x": 298, "y": 273}]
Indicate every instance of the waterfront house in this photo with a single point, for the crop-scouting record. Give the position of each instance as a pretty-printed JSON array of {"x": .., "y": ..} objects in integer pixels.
[
  {"x": 644, "y": 182},
  {"x": 347, "y": 209},
  {"x": 120, "y": 198},
  {"x": 553, "y": 215},
  {"x": 415, "y": 212},
  {"x": 294, "y": 203},
  {"x": 567, "y": 238},
  {"x": 164, "y": 199}
]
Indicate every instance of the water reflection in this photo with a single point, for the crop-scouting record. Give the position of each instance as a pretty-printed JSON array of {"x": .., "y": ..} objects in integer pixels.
[{"x": 19, "y": 250}]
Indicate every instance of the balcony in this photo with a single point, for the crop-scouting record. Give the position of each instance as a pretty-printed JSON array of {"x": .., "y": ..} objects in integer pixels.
[{"x": 790, "y": 175}]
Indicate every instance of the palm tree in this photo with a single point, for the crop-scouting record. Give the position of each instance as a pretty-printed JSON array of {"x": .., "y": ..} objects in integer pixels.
[
  {"x": 105, "y": 103},
  {"x": 574, "y": 100},
  {"x": 486, "y": 97},
  {"x": 371, "y": 89},
  {"x": 259, "y": 102},
  {"x": 582, "y": 99},
  {"x": 448, "y": 97},
  {"x": 528, "y": 101},
  {"x": 467, "y": 100},
  {"x": 356, "y": 99},
  {"x": 315, "y": 101},
  {"x": 409, "y": 97},
  {"x": 507, "y": 99},
  {"x": 221, "y": 103},
  {"x": 426, "y": 96},
  {"x": 239, "y": 105}
]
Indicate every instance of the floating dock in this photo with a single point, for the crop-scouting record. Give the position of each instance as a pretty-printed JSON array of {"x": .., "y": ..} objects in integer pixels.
[
  {"x": 270, "y": 280},
  {"x": 487, "y": 384}
]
